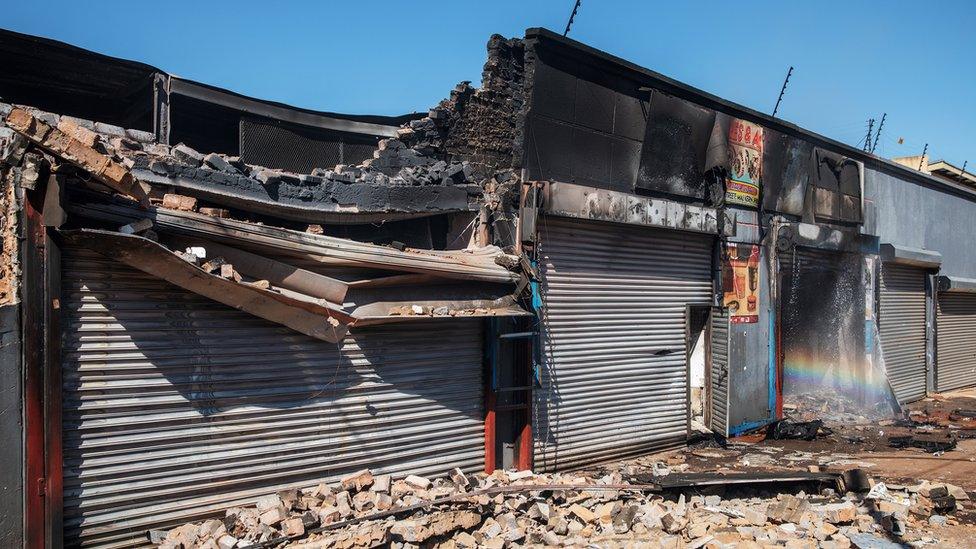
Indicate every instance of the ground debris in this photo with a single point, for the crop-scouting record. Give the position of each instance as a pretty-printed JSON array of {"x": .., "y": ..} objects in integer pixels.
[{"x": 587, "y": 508}]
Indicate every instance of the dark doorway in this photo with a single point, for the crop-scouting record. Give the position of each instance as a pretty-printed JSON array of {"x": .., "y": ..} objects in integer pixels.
[
  {"x": 823, "y": 326},
  {"x": 698, "y": 360}
]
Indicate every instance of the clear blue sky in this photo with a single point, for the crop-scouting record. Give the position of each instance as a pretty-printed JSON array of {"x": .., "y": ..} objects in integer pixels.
[{"x": 854, "y": 59}]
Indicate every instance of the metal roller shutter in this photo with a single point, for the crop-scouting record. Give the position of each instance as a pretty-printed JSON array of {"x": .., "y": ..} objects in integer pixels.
[
  {"x": 614, "y": 378},
  {"x": 902, "y": 326},
  {"x": 176, "y": 406},
  {"x": 955, "y": 347},
  {"x": 720, "y": 372}
]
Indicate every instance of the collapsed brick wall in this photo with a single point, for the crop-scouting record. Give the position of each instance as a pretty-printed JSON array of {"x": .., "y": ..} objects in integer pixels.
[
  {"x": 8, "y": 241},
  {"x": 12, "y": 148},
  {"x": 486, "y": 120}
]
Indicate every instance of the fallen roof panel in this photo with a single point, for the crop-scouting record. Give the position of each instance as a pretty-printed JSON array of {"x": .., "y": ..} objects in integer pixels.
[
  {"x": 313, "y": 319},
  {"x": 472, "y": 264}
]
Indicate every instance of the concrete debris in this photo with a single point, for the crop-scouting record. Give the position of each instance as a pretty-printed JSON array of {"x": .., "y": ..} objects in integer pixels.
[
  {"x": 523, "y": 508},
  {"x": 137, "y": 227}
]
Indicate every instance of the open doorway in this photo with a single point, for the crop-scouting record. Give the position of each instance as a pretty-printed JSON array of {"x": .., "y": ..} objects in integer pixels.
[{"x": 698, "y": 359}]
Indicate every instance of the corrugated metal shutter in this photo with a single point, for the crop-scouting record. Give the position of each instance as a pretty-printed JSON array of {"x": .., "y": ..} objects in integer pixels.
[
  {"x": 902, "y": 326},
  {"x": 176, "y": 406},
  {"x": 614, "y": 376},
  {"x": 720, "y": 372},
  {"x": 955, "y": 350}
]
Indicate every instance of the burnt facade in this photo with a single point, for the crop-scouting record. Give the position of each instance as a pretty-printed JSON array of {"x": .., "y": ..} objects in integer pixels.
[{"x": 578, "y": 261}]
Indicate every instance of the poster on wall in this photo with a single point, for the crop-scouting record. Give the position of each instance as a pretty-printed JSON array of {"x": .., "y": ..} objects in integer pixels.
[
  {"x": 740, "y": 282},
  {"x": 745, "y": 163}
]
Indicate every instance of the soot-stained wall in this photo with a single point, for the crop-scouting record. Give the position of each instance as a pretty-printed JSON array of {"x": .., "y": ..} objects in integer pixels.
[{"x": 599, "y": 121}]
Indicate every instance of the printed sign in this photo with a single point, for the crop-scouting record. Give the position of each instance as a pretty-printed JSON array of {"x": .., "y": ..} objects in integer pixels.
[
  {"x": 740, "y": 282},
  {"x": 745, "y": 163}
]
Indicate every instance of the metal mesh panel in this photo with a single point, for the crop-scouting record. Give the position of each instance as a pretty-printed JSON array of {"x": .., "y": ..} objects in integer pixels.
[{"x": 300, "y": 149}]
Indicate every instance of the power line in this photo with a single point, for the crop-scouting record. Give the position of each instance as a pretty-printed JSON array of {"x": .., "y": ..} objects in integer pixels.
[
  {"x": 782, "y": 90},
  {"x": 572, "y": 16},
  {"x": 921, "y": 162}
]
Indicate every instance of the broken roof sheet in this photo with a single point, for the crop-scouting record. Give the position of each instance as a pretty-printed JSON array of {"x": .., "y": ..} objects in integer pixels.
[
  {"x": 278, "y": 274},
  {"x": 407, "y": 177}
]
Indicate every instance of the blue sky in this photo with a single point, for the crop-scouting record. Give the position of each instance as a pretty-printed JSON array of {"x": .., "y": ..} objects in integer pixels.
[{"x": 854, "y": 59}]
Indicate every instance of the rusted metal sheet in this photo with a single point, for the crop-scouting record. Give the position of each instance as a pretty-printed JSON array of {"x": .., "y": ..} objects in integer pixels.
[
  {"x": 318, "y": 320},
  {"x": 177, "y": 407},
  {"x": 278, "y": 273},
  {"x": 473, "y": 264}
]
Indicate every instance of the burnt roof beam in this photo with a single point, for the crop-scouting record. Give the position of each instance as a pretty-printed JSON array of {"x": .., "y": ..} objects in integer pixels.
[{"x": 251, "y": 106}]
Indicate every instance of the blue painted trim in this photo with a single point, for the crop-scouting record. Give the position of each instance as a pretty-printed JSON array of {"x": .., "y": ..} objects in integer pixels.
[
  {"x": 749, "y": 426},
  {"x": 537, "y": 341}
]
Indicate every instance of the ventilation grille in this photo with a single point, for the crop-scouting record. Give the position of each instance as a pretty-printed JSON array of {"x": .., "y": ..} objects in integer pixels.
[{"x": 300, "y": 149}]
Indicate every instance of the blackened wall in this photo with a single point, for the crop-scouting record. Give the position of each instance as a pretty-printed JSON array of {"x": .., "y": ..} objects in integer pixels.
[
  {"x": 11, "y": 429},
  {"x": 583, "y": 125},
  {"x": 484, "y": 123},
  {"x": 599, "y": 121}
]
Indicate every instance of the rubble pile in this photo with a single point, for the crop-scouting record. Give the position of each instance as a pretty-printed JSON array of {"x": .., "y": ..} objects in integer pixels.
[
  {"x": 835, "y": 408},
  {"x": 415, "y": 157},
  {"x": 514, "y": 509}
]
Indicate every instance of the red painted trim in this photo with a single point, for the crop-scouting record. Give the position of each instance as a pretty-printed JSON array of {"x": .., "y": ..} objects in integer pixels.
[
  {"x": 52, "y": 396},
  {"x": 32, "y": 307},
  {"x": 525, "y": 444},
  {"x": 489, "y": 431}
]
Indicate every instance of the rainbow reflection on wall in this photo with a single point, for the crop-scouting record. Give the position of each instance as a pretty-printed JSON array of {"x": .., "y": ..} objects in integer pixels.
[{"x": 832, "y": 364}]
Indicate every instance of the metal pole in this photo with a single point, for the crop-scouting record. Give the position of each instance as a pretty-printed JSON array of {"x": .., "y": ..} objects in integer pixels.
[
  {"x": 783, "y": 90},
  {"x": 572, "y": 17}
]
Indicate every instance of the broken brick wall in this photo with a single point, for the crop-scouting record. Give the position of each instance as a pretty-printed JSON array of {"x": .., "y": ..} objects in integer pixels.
[
  {"x": 11, "y": 148},
  {"x": 11, "y": 386},
  {"x": 484, "y": 128},
  {"x": 485, "y": 121}
]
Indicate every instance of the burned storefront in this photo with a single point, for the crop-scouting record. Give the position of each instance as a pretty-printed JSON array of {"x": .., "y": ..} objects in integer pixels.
[
  {"x": 198, "y": 331},
  {"x": 578, "y": 262},
  {"x": 681, "y": 238}
]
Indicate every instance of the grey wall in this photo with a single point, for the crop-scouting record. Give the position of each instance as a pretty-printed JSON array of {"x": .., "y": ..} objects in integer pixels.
[
  {"x": 11, "y": 430},
  {"x": 916, "y": 215},
  {"x": 749, "y": 360}
]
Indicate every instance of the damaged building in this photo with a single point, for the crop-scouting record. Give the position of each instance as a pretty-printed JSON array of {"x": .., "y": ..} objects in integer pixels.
[{"x": 209, "y": 297}]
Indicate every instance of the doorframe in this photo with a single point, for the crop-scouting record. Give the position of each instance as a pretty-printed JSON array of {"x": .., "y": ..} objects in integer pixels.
[{"x": 706, "y": 388}]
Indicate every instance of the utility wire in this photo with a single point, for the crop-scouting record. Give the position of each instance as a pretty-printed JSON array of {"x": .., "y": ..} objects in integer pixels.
[
  {"x": 572, "y": 17},
  {"x": 921, "y": 161}
]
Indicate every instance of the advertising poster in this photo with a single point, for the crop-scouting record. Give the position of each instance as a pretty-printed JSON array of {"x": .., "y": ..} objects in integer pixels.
[
  {"x": 740, "y": 282},
  {"x": 745, "y": 163}
]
